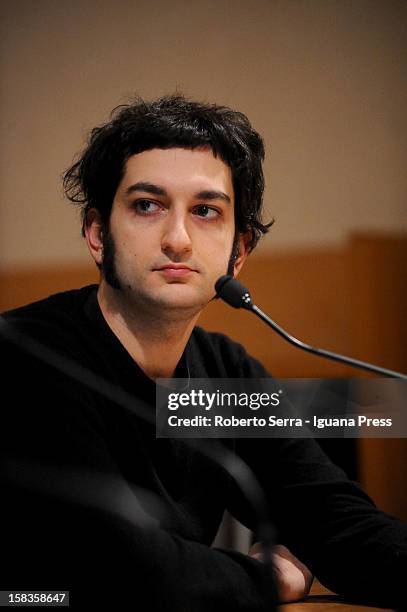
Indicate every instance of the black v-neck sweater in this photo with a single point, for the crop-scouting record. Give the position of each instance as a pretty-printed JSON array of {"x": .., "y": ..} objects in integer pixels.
[{"x": 95, "y": 504}]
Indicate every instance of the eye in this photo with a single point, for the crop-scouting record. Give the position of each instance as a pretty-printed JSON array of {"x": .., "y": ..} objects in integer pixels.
[
  {"x": 146, "y": 207},
  {"x": 207, "y": 212}
]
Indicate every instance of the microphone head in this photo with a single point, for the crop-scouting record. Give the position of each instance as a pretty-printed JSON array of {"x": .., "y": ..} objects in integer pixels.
[{"x": 233, "y": 292}]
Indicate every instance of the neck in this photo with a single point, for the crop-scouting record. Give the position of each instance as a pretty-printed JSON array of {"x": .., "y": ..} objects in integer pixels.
[{"x": 155, "y": 342}]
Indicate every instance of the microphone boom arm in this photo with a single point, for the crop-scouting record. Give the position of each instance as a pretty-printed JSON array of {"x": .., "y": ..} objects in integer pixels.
[
  {"x": 235, "y": 294},
  {"x": 323, "y": 352}
]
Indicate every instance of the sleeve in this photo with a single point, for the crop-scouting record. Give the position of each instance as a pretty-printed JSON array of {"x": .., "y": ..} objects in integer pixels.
[
  {"x": 71, "y": 521},
  {"x": 328, "y": 522},
  {"x": 325, "y": 519}
]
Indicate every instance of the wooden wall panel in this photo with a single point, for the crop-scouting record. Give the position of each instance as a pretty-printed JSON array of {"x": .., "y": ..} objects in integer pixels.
[
  {"x": 22, "y": 286},
  {"x": 378, "y": 275}
]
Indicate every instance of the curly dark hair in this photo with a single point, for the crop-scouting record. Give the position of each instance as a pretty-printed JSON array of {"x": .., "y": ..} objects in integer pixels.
[{"x": 170, "y": 121}]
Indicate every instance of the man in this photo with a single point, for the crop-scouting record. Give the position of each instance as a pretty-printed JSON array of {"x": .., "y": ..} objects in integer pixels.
[{"x": 171, "y": 196}]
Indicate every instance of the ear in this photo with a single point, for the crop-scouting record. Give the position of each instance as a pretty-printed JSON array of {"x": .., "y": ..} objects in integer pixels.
[
  {"x": 243, "y": 252},
  {"x": 94, "y": 235}
]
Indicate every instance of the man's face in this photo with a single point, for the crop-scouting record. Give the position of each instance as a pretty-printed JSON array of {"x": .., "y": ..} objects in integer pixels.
[{"x": 171, "y": 229}]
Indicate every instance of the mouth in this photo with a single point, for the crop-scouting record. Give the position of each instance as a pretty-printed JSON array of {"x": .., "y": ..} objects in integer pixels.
[{"x": 174, "y": 270}]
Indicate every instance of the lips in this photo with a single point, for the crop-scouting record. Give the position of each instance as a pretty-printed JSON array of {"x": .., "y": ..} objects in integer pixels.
[
  {"x": 175, "y": 270},
  {"x": 174, "y": 266}
]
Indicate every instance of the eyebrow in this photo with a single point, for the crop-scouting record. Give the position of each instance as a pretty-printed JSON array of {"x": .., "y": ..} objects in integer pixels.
[
  {"x": 147, "y": 187},
  {"x": 208, "y": 194}
]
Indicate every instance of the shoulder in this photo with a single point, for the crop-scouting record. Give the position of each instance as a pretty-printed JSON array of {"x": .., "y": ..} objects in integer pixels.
[
  {"x": 220, "y": 356},
  {"x": 57, "y": 320},
  {"x": 66, "y": 302}
]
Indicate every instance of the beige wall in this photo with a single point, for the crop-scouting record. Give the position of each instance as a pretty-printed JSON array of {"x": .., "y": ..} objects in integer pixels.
[{"x": 324, "y": 81}]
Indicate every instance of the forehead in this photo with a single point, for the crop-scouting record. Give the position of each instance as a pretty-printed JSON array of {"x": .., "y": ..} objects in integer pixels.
[{"x": 179, "y": 168}]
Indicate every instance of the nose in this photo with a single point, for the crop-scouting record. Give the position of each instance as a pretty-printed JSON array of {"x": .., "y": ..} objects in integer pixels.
[{"x": 176, "y": 241}]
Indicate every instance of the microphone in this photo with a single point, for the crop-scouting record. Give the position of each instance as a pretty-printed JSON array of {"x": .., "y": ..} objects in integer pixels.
[{"x": 235, "y": 294}]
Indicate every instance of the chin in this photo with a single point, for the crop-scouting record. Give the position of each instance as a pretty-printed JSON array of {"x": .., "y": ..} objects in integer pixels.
[{"x": 179, "y": 296}]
